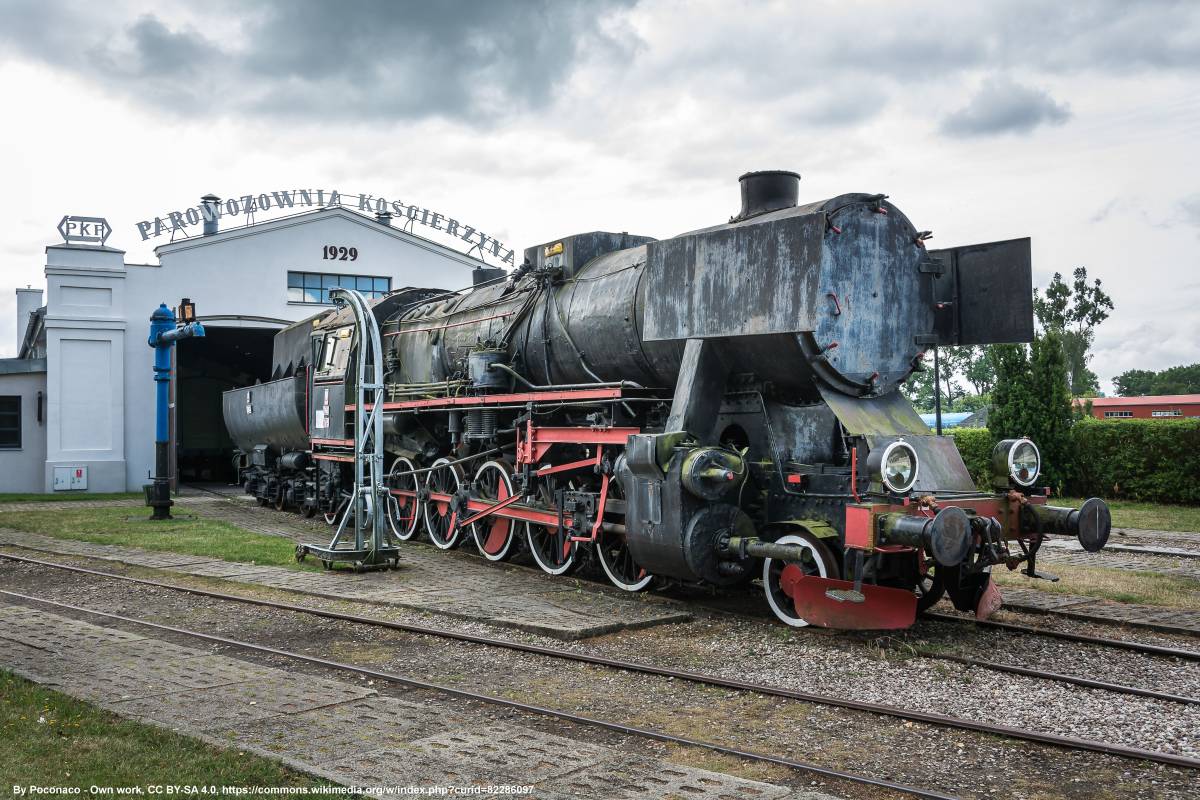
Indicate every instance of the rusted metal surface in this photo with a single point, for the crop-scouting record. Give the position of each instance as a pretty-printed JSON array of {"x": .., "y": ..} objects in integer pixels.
[{"x": 741, "y": 280}]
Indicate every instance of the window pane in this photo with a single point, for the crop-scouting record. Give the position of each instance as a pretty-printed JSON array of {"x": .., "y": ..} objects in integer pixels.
[
  {"x": 312, "y": 295},
  {"x": 312, "y": 281},
  {"x": 295, "y": 279},
  {"x": 365, "y": 284},
  {"x": 10, "y": 421},
  {"x": 346, "y": 281},
  {"x": 295, "y": 295},
  {"x": 382, "y": 284},
  {"x": 329, "y": 281}
]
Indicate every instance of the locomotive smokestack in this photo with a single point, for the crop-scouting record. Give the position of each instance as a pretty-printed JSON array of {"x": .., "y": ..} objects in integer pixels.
[{"x": 769, "y": 190}]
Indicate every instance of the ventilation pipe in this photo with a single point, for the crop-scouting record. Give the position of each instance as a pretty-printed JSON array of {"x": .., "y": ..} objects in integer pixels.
[{"x": 210, "y": 205}]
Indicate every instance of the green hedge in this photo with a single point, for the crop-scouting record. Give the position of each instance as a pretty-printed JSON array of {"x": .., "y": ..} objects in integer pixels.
[
  {"x": 1138, "y": 459},
  {"x": 1141, "y": 459},
  {"x": 975, "y": 445}
]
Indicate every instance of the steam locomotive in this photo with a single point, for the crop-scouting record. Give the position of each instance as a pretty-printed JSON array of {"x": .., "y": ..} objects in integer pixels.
[{"x": 711, "y": 409}]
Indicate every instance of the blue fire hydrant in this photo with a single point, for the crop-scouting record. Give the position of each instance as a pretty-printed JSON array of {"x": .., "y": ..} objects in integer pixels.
[{"x": 163, "y": 336}]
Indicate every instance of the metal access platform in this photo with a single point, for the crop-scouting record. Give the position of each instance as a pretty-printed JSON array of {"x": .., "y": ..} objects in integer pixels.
[{"x": 373, "y": 545}]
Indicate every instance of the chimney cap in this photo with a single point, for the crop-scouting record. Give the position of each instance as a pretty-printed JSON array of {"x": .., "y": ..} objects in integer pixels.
[
  {"x": 767, "y": 190},
  {"x": 779, "y": 172}
]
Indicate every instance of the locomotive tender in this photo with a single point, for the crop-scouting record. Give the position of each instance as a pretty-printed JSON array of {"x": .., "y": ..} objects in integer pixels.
[{"x": 710, "y": 409}]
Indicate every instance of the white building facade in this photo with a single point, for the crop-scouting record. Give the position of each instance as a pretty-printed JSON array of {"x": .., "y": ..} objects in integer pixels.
[{"x": 77, "y": 404}]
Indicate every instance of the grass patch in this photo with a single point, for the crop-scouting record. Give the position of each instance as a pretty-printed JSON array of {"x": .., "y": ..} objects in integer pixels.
[
  {"x": 1122, "y": 586},
  {"x": 51, "y": 739},
  {"x": 58, "y": 497},
  {"x": 1149, "y": 516},
  {"x": 121, "y": 526}
]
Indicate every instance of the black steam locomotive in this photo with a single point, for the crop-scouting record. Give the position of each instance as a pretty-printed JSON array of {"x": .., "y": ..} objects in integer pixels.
[{"x": 711, "y": 409}]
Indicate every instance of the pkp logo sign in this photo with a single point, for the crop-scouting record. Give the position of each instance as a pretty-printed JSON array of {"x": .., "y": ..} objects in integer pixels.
[{"x": 84, "y": 230}]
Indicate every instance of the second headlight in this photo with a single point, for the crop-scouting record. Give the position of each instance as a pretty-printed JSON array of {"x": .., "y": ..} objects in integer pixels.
[{"x": 1017, "y": 460}]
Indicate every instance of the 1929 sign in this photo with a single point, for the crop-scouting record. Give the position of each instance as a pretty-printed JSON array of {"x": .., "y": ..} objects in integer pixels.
[{"x": 333, "y": 252}]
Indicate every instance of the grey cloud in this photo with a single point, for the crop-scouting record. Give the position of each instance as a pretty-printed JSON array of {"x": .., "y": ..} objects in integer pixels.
[
  {"x": 383, "y": 60},
  {"x": 1106, "y": 210},
  {"x": 1190, "y": 206},
  {"x": 369, "y": 60},
  {"x": 1003, "y": 106}
]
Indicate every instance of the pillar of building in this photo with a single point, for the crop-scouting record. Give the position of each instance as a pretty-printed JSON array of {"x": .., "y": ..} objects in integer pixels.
[{"x": 85, "y": 368}]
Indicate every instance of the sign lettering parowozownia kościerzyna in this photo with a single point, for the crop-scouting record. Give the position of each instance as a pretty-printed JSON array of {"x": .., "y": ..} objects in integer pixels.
[{"x": 249, "y": 204}]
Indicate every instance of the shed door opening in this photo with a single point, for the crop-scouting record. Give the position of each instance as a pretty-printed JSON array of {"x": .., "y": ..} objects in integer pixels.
[{"x": 225, "y": 358}]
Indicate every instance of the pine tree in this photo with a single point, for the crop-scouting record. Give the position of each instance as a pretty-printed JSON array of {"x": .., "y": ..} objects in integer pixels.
[
  {"x": 1011, "y": 396},
  {"x": 1032, "y": 398},
  {"x": 1051, "y": 430}
]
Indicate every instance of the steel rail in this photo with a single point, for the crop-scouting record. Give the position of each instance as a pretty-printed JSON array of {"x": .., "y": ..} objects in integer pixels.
[
  {"x": 529, "y": 708},
  {"x": 1058, "y": 676},
  {"x": 1119, "y": 644},
  {"x": 941, "y": 720}
]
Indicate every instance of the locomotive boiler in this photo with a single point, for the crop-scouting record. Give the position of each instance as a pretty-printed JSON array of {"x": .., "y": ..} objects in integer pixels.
[{"x": 712, "y": 409}]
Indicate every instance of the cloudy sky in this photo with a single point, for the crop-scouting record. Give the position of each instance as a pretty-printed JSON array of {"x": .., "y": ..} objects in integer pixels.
[{"x": 1074, "y": 123}]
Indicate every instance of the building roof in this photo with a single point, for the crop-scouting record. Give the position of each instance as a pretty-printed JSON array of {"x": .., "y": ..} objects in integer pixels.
[
  {"x": 18, "y": 366},
  {"x": 35, "y": 334},
  {"x": 950, "y": 419},
  {"x": 309, "y": 216},
  {"x": 1145, "y": 400}
]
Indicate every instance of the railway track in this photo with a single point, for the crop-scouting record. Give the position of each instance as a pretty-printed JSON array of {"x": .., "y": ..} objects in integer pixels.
[
  {"x": 463, "y": 694},
  {"x": 1015, "y": 670},
  {"x": 940, "y": 720},
  {"x": 1119, "y": 644}
]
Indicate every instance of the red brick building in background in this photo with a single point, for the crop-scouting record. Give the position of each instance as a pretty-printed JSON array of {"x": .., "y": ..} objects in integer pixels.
[{"x": 1166, "y": 406}]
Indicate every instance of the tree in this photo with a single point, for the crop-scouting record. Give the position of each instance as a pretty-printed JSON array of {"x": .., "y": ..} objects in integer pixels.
[
  {"x": 1184, "y": 379},
  {"x": 1032, "y": 399},
  {"x": 919, "y": 387},
  {"x": 1073, "y": 312},
  {"x": 978, "y": 369},
  {"x": 1178, "y": 380},
  {"x": 1135, "y": 382}
]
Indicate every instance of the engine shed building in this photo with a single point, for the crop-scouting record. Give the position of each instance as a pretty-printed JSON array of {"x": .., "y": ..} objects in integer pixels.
[
  {"x": 1164, "y": 406},
  {"x": 77, "y": 403}
]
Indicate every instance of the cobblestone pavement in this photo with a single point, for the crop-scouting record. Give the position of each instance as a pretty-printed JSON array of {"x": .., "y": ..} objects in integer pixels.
[
  {"x": 457, "y": 584},
  {"x": 429, "y": 580},
  {"x": 345, "y": 732},
  {"x": 1121, "y": 559},
  {"x": 1156, "y": 618},
  {"x": 67, "y": 505}
]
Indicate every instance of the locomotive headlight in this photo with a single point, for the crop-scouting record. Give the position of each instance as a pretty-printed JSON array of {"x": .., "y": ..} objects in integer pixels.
[
  {"x": 895, "y": 466},
  {"x": 1017, "y": 460}
]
